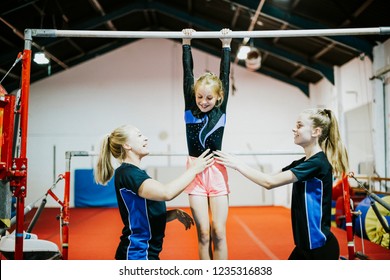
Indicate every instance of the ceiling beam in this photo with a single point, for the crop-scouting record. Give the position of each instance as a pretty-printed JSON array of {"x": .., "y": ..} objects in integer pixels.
[
  {"x": 13, "y": 9},
  {"x": 354, "y": 43},
  {"x": 325, "y": 71},
  {"x": 360, "y": 10},
  {"x": 96, "y": 5},
  {"x": 34, "y": 44}
]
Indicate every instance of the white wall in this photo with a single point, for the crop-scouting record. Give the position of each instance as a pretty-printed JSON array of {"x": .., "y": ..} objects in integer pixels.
[
  {"x": 359, "y": 102},
  {"x": 141, "y": 84},
  {"x": 381, "y": 108}
]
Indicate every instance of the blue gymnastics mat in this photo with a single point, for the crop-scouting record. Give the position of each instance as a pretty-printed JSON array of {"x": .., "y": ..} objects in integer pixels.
[{"x": 90, "y": 194}]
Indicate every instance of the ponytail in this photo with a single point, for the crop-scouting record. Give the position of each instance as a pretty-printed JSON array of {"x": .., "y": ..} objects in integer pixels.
[
  {"x": 330, "y": 140},
  {"x": 104, "y": 170},
  {"x": 111, "y": 146}
]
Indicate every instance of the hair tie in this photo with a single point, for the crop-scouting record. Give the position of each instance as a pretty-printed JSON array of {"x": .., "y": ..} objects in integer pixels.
[{"x": 328, "y": 113}]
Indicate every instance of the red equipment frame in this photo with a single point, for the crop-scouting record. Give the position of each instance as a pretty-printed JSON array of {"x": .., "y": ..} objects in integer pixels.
[
  {"x": 348, "y": 218},
  {"x": 13, "y": 168},
  {"x": 7, "y": 103}
]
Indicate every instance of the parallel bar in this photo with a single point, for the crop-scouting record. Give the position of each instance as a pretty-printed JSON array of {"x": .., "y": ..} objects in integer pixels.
[
  {"x": 271, "y": 153},
  {"x": 210, "y": 34}
]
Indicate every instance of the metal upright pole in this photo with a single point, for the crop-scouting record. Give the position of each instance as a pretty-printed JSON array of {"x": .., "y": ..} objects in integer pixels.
[
  {"x": 65, "y": 209},
  {"x": 19, "y": 168},
  {"x": 65, "y": 217},
  {"x": 348, "y": 218}
]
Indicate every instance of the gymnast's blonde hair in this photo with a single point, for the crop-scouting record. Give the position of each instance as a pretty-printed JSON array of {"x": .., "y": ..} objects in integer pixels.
[
  {"x": 211, "y": 80},
  {"x": 330, "y": 140},
  {"x": 111, "y": 147}
]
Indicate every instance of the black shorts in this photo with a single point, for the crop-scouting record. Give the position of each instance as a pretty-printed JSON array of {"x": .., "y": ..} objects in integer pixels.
[{"x": 330, "y": 251}]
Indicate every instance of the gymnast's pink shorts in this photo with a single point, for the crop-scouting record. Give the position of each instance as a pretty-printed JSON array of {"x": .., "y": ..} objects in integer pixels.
[{"x": 213, "y": 181}]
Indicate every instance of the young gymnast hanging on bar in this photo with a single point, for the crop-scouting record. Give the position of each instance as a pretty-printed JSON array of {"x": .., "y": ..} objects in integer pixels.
[
  {"x": 205, "y": 118},
  {"x": 318, "y": 134},
  {"x": 141, "y": 199}
]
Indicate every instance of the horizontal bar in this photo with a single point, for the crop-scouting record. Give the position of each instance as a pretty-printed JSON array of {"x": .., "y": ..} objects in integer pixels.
[
  {"x": 70, "y": 154},
  {"x": 372, "y": 178},
  {"x": 271, "y": 153},
  {"x": 236, "y": 154},
  {"x": 209, "y": 34}
]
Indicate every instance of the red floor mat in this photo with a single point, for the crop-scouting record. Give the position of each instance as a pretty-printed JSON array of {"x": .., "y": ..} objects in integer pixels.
[{"x": 253, "y": 233}]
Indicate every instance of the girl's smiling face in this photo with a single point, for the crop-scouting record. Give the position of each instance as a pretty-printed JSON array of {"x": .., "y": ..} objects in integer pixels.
[
  {"x": 137, "y": 142},
  {"x": 205, "y": 98},
  {"x": 303, "y": 131}
]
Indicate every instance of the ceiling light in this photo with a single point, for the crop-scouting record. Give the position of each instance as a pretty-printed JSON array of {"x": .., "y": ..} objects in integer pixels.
[
  {"x": 253, "y": 59},
  {"x": 40, "y": 58},
  {"x": 243, "y": 52}
]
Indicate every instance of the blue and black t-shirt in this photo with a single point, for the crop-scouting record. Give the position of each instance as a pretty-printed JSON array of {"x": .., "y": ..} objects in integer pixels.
[
  {"x": 311, "y": 204},
  {"x": 144, "y": 220}
]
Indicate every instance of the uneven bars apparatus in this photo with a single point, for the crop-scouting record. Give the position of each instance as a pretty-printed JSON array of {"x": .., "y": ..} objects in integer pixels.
[{"x": 20, "y": 188}]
